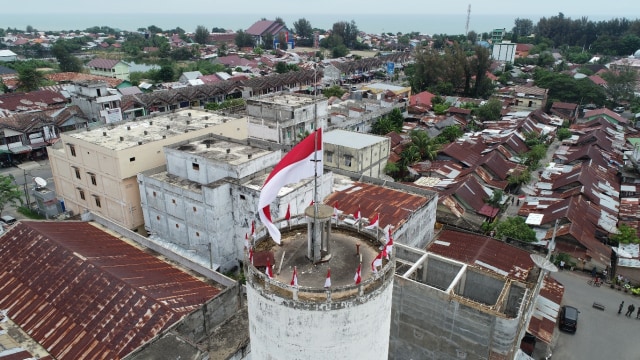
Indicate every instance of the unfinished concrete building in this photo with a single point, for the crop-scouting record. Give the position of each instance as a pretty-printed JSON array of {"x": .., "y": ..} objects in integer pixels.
[
  {"x": 360, "y": 154},
  {"x": 285, "y": 118},
  {"x": 444, "y": 308}
]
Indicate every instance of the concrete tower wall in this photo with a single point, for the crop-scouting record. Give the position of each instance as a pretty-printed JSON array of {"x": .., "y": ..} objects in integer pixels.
[{"x": 357, "y": 328}]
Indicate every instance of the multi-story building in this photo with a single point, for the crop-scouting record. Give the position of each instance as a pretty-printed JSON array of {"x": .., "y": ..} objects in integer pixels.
[
  {"x": 285, "y": 118},
  {"x": 504, "y": 51},
  {"x": 96, "y": 170},
  {"x": 529, "y": 98},
  {"x": 497, "y": 35},
  {"x": 206, "y": 197},
  {"x": 96, "y": 101},
  {"x": 354, "y": 152},
  {"x": 109, "y": 68}
]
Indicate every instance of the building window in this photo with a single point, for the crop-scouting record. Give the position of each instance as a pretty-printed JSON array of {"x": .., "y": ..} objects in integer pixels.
[
  {"x": 81, "y": 192},
  {"x": 197, "y": 234},
  {"x": 158, "y": 217},
  {"x": 329, "y": 156},
  {"x": 242, "y": 197},
  {"x": 177, "y": 226},
  {"x": 77, "y": 172},
  {"x": 530, "y": 103},
  {"x": 173, "y": 201},
  {"x": 132, "y": 159},
  {"x": 93, "y": 179},
  {"x": 195, "y": 166},
  {"x": 72, "y": 149},
  {"x": 154, "y": 194},
  {"x": 98, "y": 203},
  {"x": 194, "y": 209},
  {"x": 347, "y": 160}
]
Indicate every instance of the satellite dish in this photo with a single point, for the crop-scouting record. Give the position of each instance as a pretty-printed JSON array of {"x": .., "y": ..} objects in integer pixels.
[
  {"x": 543, "y": 263},
  {"x": 40, "y": 182}
]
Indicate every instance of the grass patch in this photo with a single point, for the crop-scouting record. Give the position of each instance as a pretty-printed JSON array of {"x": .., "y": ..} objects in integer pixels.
[{"x": 29, "y": 213}]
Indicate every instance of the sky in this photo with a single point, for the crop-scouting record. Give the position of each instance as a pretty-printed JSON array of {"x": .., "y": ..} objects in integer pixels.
[{"x": 571, "y": 8}]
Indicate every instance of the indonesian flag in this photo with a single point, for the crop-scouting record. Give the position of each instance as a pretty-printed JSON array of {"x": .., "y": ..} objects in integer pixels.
[
  {"x": 374, "y": 222},
  {"x": 358, "y": 277},
  {"x": 357, "y": 215},
  {"x": 296, "y": 165},
  {"x": 287, "y": 216},
  {"x": 251, "y": 255},
  {"x": 327, "y": 282},
  {"x": 268, "y": 270},
  {"x": 294, "y": 279},
  {"x": 378, "y": 261},
  {"x": 311, "y": 203},
  {"x": 389, "y": 246},
  {"x": 246, "y": 241},
  {"x": 335, "y": 210}
]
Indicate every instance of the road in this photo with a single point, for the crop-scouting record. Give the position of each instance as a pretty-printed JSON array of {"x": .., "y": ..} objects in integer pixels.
[
  {"x": 600, "y": 334},
  {"x": 28, "y": 171}
]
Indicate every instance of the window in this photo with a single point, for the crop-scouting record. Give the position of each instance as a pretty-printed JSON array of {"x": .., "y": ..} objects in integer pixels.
[
  {"x": 530, "y": 103},
  {"x": 329, "y": 156},
  {"x": 347, "y": 160},
  {"x": 77, "y": 172},
  {"x": 173, "y": 201},
  {"x": 154, "y": 194},
  {"x": 132, "y": 159},
  {"x": 158, "y": 217},
  {"x": 197, "y": 234},
  {"x": 177, "y": 226},
  {"x": 81, "y": 192},
  {"x": 93, "y": 179},
  {"x": 242, "y": 197},
  {"x": 194, "y": 209},
  {"x": 72, "y": 149},
  {"x": 98, "y": 203},
  {"x": 195, "y": 166}
]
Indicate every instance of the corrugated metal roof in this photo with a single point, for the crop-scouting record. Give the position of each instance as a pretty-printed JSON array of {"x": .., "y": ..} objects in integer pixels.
[
  {"x": 85, "y": 294},
  {"x": 477, "y": 250},
  {"x": 543, "y": 319}
]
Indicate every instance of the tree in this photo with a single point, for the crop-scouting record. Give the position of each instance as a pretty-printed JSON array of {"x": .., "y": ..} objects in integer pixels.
[
  {"x": 339, "y": 51},
  {"x": 626, "y": 235},
  {"x": 30, "y": 29},
  {"x": 154, "y": 29},
  {"x": 244, "y": 39},
  {"x": 30, "y": 79},
  {"x": 420, "y": 139},
  {"x": 166, "y": 73},
  {"x": 335, "y": 90},
  {"x": 280, "y": 21},
  {"x": 303, "y": 28},
  {"x": 496, "y": 199},
  {"x": 491, "y": 110},
  {"x": 515, "y": 228},
  {"x": 621, "y": 83},
  {"x": 563, "y": 133},
  {"x": 201, "y": 35},
  {"x": 9, "y": 193},
  {"x": 523, "y": 27},
  {"x": 451, "y": 133},
  {"x": 520, "y": 178},
  {"x": 67, "y": 62},
  {"x": 281, "y": 67}
]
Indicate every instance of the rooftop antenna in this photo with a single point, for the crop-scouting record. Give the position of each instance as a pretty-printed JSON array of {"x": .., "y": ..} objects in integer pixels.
[{"x": 466, "y": 28}]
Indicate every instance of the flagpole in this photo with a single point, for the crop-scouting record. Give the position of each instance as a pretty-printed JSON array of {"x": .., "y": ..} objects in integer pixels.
[{"x": 315, "y": 161}]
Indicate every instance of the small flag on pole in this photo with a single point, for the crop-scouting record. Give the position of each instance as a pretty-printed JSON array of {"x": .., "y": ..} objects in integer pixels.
[
  {"x": 357, "y": 215},
  {"x": 251, "y": 255},
  {"x": 287, "y": 216},
  {"x": 268, "y": 270},
  {"x": 327, "y": 282},
  {"x": 294, "y": 278},
  {"x": 358, "y": 277},
  {"x": 335, "y": 210},
  {"x": 377, "y": 261},
  {"x": 373, "y": 223},
  {"x": 312, "y": 202},
  {"x": 253, "y": 229},
  {"x": 246, "y": 241}
]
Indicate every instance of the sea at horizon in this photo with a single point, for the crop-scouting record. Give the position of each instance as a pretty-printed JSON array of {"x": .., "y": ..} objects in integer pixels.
[{"x": 369, "y": 23}]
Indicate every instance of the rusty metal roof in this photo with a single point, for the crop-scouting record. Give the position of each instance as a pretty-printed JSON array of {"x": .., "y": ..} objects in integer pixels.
[
  {"x": 85, "y": 294},
  {"x": 543, "y": 319},
  {"x": 394, "y": 206},
  {"x": 483, "y": 251}
]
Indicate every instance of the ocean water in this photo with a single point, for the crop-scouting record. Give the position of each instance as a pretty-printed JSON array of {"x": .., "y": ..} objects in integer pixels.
[{"x": 370, "y": 23}]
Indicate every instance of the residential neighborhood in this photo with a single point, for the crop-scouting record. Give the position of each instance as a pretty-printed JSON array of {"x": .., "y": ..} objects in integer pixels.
[{"x": 478, "y": 186}]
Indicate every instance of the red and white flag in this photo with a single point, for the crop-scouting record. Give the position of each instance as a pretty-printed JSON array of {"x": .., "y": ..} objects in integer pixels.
[
  {"x": 303, "y": 161},
  {"x": 294, "y": 278},
  {"x": 251, "y": 255},
  {"x": 246, "y": 241},
  {"x": 287, "y": 216},
  {"x": 268, "y": 270},
  {"x": 377, "y": 261},
  {"x": 358, "y": 277},
  {"x": 357, "y": 215},
  {"x": 335, "y": 210},
  {"x": 253, "y": 228},
  {"x": 374, "y": 222},
  {"x": 389, "y": 246},
  {"x": 327, "y": 282},
  {"x": 311, "y": 203}
]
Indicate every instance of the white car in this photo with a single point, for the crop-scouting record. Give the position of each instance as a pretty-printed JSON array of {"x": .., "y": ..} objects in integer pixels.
[{"x": 619, "y": 109}]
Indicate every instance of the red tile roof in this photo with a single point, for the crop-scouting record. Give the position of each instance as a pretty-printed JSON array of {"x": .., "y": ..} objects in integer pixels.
[
  {"x": 103, "y": 63},
  {"x": 423, "y": 98},
  {"x": 68, "y": 77},
  {"x": 34, "y": 100},
  {"x": 598, "y": 80},
  {"x": 85, "y": 294},
  {"x": 263, "y": 27},
  {"x": 483, "y": 252},
  {"x": 564, "y": 106}
]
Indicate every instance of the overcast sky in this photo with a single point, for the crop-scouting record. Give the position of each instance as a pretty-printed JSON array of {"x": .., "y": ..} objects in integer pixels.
[{"x": 571, "y": 8}]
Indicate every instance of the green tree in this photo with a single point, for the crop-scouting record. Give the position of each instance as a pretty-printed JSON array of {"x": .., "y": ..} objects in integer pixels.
[
  {"x": 496, "y": 198},
  {"x": 523, "y": 27},
  {"x": 154, "y": 29},
  {"x": 268, "y": 41},
  {"x": 626, "y": 235},
  {"x": 420, "y": 139},
  {"x": 166, "y": 74},
  {"x": 451, "y": 133},
  {"x": 520, "y": 178},
  {"x": 440, "y": 109},
  {"x": 201, "y": 36},
  {"x": 67, "y": 62},
  {"x": 281, "y": 67},
  {"x": 10, "y": 193},
  {"x": 515, "y": 228},
  {"x": 396, "y": 118},
  {"x": 334, "y": 90},
  {"x": 409, "y": 156},
  {"x": 244, "y": 39},
  {"x": 30, "y": 29},
  {"x": 339, "y": 51},
  {"x": 621, "y": 83},
  {"x": 563, "y": 133},
  {"x": 303, "y": 28},
  {"x": 30, "y": 79},
  {"x": 490, "y": 111}
]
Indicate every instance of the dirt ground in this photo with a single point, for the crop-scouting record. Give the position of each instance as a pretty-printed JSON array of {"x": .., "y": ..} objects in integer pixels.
[{"x": 363, "y": 53}]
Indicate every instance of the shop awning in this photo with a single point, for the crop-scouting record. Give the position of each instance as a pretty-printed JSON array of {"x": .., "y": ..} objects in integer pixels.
[
  {"x": 38, "y": 145},
  {"x": 21, "y": 149}
]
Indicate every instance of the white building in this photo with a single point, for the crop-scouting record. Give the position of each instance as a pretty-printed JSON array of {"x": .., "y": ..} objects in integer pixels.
[
  {"x": 355, "y": 152},
  {"x": 8, "y": 55},
  {"x": 504, "y": 51}
]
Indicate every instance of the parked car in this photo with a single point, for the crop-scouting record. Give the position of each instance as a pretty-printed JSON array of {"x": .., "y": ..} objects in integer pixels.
[
  {"x": 619, "y": 109},
  {"x": 8, "y": 219},
  {"x": 568, "y": 318}
]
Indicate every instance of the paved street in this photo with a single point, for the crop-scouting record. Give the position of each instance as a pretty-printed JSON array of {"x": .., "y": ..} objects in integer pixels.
[
  {"x": 27, "y": 171},
  {"x": 600, "y": 334}
]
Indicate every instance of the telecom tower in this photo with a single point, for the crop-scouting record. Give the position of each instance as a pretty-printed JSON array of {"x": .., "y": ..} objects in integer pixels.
[{"x": 312, "y": 321}]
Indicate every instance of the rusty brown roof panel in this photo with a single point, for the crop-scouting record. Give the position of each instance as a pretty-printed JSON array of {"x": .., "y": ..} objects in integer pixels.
[
  {"x": 478, "y": 250},
  {"x": 83, "y": 293}
]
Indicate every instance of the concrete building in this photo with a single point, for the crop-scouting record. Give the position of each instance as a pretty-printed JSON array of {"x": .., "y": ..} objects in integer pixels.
[
  {"x": 96, "y": 101},
  {"x": 359, "y": 153},
  {"x": 96, "y": 170},
  {"x": 504, "y": 51},
  {"x": 206, "y": 197},
  {"x": 110, "y": 68},
  {"x": 529, "y": 98},
  {"x": 380, "y": 91},
  {"x": 8, "y": 55},
  {"x": 285, "y": 118},
  {"x": 346, "y": 319},
  {"x": 497, "y": 35}
]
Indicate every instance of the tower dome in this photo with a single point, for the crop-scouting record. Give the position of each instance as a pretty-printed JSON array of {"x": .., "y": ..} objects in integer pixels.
[{"x": 325, "y": 313}]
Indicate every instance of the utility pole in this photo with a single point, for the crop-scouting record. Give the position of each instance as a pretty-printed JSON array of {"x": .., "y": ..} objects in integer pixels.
[{"x": 26, "y": 192}]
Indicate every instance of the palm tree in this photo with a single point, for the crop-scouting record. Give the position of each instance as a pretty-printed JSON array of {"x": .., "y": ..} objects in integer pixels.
[
  {"x": 427, "y": 147},
  {"x": 383, "y": 126}
]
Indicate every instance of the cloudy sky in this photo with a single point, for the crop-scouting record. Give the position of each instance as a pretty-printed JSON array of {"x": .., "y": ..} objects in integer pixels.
[{"x": 571, "y": 8}]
